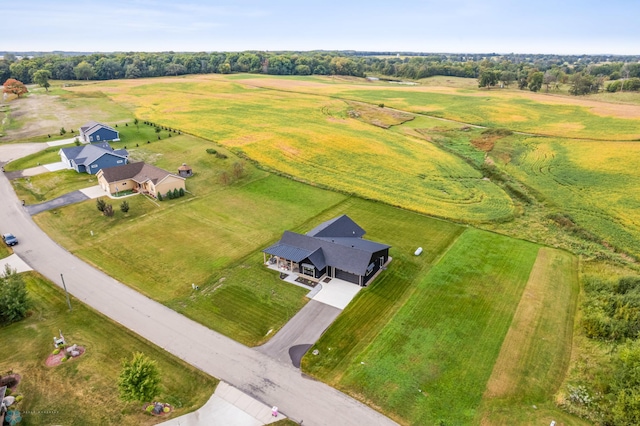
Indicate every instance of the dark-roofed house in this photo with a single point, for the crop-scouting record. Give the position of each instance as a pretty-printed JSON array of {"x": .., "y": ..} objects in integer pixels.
[
  {"x": 139, "y": 177},
  {"x": 98, "y": 132},
  {"x": 91, "y": 158},
  {"x": 334, "y": 249}
]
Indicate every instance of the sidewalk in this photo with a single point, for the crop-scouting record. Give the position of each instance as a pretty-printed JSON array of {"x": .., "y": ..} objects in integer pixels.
[{"x": 228, "y": 407}]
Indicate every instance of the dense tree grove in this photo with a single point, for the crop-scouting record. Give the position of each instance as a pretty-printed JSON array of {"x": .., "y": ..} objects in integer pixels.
[{"x": 586, "y": 73}]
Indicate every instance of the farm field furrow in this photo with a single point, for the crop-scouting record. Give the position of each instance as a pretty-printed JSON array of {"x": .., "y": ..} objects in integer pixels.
[{"x": 593, "y": 182}]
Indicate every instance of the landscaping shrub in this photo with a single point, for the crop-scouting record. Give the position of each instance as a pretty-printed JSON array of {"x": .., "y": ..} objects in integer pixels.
[
  {"x": 211, "y": 151},
  {"x": 181, "y": 192},
  {"x": 124, "y": 207},
  {"x": 19, "y": 398},
  {"x": 169, "y": 195},
  {"x": 62, "y": 131},
  {"x": 100, "y": 204},
  {"x": 166, "y": 409},
  {"x": 56, "y": 351},
  {"x": 149, "y": 408},
  {"x": 160, "y": 197},
  {"x": 221, "y": 155},
  {"x": 175, "y": 193},
  {"x": 108, "y": 210}
]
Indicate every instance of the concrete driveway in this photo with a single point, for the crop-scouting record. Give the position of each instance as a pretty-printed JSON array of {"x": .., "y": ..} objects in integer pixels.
[
  {"x": 254, "y": 373},
  {"x": 15, "y": 263}
]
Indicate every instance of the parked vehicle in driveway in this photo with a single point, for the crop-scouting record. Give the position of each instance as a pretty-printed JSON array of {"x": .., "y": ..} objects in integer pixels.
[{"x": 9, "y": 239}]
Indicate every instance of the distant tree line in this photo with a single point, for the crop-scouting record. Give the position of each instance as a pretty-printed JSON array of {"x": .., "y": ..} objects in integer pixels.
[{"x": 585, "y": 74}]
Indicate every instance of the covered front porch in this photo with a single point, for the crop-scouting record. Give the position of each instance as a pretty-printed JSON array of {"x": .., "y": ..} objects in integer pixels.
[{"x": 284, "y": 265}]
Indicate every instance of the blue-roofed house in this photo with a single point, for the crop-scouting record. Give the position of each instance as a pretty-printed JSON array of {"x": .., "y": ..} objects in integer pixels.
[
  {"x": 93, "y": 132},
  {"x": 93, "y": 157},
  {"x": 333, "y": 249}
]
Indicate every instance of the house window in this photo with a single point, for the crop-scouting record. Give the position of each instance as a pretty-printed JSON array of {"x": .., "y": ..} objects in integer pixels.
[
  {"x": 97, "y": 137},
  {"x": 124, "y": 183},
  {"x": 93, "y": 166},
  {"x": 90, "y": 138},
  {"x": 119, "y": 161},
  {"x": 308, "y": 270},
  {"x": 370, "y": 268}
]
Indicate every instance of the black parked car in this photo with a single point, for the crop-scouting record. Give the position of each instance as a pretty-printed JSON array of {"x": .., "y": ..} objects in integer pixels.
[{"x": 9, "y": 239}]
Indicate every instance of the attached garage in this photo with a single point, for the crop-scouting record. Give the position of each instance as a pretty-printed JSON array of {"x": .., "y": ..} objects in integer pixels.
[{"x": 346, "y": 276}]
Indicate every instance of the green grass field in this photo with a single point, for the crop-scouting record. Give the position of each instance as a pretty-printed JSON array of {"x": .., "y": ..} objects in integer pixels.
[
  {"x": 84, "y": 390},
  {"x": 431, "y": 359},
  {"x": 47, "y": 186},
  {"x": 160, "y": 249}
]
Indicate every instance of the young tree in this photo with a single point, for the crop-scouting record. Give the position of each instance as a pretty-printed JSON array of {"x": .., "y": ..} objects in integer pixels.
[
  {"x": 175, "y": 193},
  {"x": 139, "y": 379},
  {"x": 14, "y": 300},
  {"x": 15, "y": 87},
  {"x": 42, "y": 77},
  {"x": 100, "y": 204},
  {"x": 124, "y": 207}
]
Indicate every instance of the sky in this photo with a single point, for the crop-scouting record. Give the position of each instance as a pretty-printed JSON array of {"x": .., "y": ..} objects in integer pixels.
[{"x": 435, "y": 26}]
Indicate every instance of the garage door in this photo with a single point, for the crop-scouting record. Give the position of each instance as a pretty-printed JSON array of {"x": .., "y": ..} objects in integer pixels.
[{"x": 347, "y": 276}]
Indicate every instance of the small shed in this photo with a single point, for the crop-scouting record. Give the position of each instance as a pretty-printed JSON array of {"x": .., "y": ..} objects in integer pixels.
[{"x": 185, "y": 171}]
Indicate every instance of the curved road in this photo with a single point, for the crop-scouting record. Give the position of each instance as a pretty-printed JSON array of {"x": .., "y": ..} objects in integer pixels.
[{"x": 270, "y": 381}]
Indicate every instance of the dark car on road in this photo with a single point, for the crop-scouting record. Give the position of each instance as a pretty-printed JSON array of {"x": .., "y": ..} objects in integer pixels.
[{"x": 9, "y": 239}]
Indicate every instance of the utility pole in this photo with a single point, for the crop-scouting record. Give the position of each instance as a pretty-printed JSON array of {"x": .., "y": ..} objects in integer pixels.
[{"x": 65, "y": 292}]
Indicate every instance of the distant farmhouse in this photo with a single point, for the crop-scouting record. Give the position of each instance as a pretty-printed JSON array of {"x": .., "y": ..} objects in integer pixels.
[
  {"x": 139, "y": 177},
  {"x": 334, "y": 249},
  {"x": 91, "y": 158},
  {"x": 98, "y": 132}
]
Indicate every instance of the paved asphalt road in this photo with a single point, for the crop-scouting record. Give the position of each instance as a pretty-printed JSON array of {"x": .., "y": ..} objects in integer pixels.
[
  {"x": 268, "y": 380},
  {"x": 63, "y": 200}
]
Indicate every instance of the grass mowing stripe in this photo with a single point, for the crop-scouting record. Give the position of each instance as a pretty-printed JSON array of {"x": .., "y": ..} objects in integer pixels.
[
  {"x": 536, "y": 351},
  {"x": 432, "y": 359}
]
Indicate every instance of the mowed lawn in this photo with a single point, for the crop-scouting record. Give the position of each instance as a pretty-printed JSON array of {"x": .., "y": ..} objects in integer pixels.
[
  {"x": 536, "y": 351},
  {"x": 161, "y": 250},
  {"x": 84, "y": 391},
  {"x": 314, "y": 139},
  {"x": 432, "y": 358}
]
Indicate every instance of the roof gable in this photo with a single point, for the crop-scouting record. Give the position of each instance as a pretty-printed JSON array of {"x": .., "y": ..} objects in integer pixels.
[
  {"x": 351, "y": 254},
  {"x": 341, "y": 226},
  {"x": 138, "y": 172},
  {"x": 87, "y": 154},
  {"x": 93, "y": 126}
]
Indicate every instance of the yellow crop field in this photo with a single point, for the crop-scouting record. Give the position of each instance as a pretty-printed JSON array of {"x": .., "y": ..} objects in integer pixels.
[
  {"x": 313, "y": 138},
  {"x": 596, "y": 183}
]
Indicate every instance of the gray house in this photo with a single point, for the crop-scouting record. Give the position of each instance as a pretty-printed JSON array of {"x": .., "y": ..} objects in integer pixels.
[
  {"x": 98, "y": 132},
  {"x": 91, "y": 158},
  {"x": 333, "y": 249}
]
